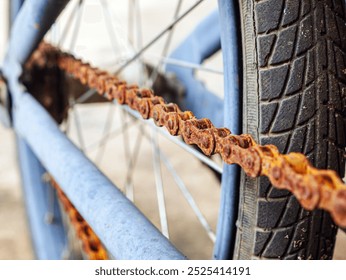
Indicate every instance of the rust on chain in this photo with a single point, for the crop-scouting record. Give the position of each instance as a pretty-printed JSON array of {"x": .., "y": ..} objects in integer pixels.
[
  {"x": 312, "y": 187},
  {"x": 91, "y": 244}
]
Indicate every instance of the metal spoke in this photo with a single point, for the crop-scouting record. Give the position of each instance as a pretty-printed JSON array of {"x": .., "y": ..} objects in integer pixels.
[
  {"x": 182, "y": 63},
  {"x": 189, "y": 198},
  {"x": 78, "y": 126},
  {"x": 72, "y": 102},
  {"x": 123, "y": 116},
  {"x": 129, "y": 188},
  {"x": 114, "y": 35},
  {"x": 85, "y": 96},
  {"x": 77, "y": 26},
  {"x": 127, "y": 152},
  {"x": 108, "y": 136},
  {"x": 164, "y": 52},
  {"x": 157, "y": 37},
  {"x": 130, "y": 28},
  {"x": 109, "y": 25},
  {"x": 186, "y": 193},
  {"x": 106, "y": 130},
  {"x": 139, "y": 33},
  {"x": 65, "y": 126},
  {"x": 69, "y": 23},
  {"x": 49, "y": 215},
  {"x": 159, "y": 184}
]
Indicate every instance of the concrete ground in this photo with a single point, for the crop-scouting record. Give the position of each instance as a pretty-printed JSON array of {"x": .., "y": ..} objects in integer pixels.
[{"x": 14, "y": 235}]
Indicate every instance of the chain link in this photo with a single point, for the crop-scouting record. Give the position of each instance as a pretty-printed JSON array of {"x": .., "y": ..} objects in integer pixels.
[
  {"x": 91, "y": 244},
  {"x": 312, "y": 187}
]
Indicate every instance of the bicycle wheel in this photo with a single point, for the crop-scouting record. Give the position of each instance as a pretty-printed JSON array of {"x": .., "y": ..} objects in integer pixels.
[
  {"x": 270, "y": 223},
  {"x": 135, "y": 149},
  {"x": 293, "y": 84}
]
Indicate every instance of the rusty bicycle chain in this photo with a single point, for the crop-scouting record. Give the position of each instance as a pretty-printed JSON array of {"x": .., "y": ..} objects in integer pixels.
[
  {"x": 312, "y": 187},
  {"x": 91, "y": 244}
]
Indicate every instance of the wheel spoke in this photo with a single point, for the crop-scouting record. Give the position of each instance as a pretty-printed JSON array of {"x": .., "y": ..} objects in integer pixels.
[
  {"x": 185, "y": 64},
  {"x": 129, "y": 187},
  {"x": 108, "y": 137},
  {"x": 68, "y": 25},
  {"x": 85, "y": 96},
  {"x": 189, "y": 198},
  {"x": 159, "y": 184},
  {"x": 66, "y": 125},
  {"x": 157, "y": 37},
  {"x": 164, "y": 52},
  {"x": 112, "y": 34},
  {"x": 78, "y": 126},
  {"x": 139, "y": 33},
  {"x": 105, "y": 135},
  {"x": 49, "y": 215},
  {"x": 127, "y": 152},
  {"x": 72, "y": 103},
  {"x": 130, "y": 29},
  {"x": 77, "y": 26},
  {"x": 186, "y": 193}
]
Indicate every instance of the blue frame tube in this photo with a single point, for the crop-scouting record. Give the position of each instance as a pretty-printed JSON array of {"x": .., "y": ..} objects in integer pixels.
[
  {"x": 31, "y": 24},
  {"x": 15, "y": 6},
  {"x": 124, "y": 230}
]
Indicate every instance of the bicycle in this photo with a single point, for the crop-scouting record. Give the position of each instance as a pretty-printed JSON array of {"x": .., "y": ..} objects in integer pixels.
[{"x": 258, "y": 234}]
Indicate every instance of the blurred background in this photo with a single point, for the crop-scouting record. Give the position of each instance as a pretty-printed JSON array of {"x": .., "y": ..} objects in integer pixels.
[{"x": 91, "y": 45}]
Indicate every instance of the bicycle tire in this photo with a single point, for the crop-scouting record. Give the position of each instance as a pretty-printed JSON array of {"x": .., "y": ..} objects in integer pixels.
[{"x": 294, "y": 55}]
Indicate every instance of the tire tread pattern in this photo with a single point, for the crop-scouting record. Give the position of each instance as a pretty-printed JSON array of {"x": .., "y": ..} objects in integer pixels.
[{"x": 302, "y": 85}]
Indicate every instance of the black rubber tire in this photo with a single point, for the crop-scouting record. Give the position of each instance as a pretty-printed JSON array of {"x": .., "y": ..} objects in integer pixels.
[{"x": 294, "y": 97}]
